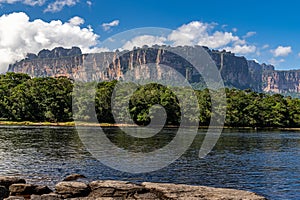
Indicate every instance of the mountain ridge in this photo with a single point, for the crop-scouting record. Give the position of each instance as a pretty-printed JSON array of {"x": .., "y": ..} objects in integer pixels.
[{"x": 236, "y": 71}]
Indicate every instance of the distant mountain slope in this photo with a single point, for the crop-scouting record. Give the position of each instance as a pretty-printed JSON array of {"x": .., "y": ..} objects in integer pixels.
[{"x": 236, "y": 71}]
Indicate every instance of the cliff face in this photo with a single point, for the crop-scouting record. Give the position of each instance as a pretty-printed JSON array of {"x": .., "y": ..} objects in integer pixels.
[
  {"x": 149, "y": 62},
  {"x": 281, "y": 81}
]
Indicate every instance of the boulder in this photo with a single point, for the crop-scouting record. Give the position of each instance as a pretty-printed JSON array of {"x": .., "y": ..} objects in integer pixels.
[
  {"x": 117, "y": 189},
  {"x": 9, "y": 180},
  {"x": 3, "y": 192},
  {"x": 72, "y": 189},
  {"x": 28, "y": 189},
  {"x": 22, "y": 189},
  {"x": 42, "y": 190},
  {"x": 74, "y": 177}
]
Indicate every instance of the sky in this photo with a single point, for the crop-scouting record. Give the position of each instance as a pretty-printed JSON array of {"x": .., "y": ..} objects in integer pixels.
[{"x": 265, "y": 31}]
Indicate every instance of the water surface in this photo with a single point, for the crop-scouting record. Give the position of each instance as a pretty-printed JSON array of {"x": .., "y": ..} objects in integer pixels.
[{"x": 266, "y": 162}]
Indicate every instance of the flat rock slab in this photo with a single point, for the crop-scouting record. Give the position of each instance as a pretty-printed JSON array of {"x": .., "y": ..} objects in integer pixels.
[
  {"x": 117, "y": 189},
  {"x": 182, "y": 192},
  {"x": 72, "y": 189},
  {"x": 114, "y": 190}
]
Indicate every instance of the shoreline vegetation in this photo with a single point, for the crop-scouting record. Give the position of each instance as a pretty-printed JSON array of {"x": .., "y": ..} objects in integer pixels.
[
  {"x": 59, "y": 101},
  {"x": 87, "y": 124}
]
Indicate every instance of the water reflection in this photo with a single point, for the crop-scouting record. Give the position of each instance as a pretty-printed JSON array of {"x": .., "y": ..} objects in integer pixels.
[{"x": 264, "y": 162}]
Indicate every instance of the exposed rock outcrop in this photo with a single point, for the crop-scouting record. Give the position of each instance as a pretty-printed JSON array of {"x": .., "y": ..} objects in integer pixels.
[
  {"x": 74, "y": 177},
  {"x": 281, "y": 81},
  {"x": 109, "y": 189},
  {"x": 72, "y": 189},
  {"x": 236, "y": 71}
]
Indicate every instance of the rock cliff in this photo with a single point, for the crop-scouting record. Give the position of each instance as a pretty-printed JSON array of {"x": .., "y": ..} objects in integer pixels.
[
  {"x": 236, "y": 71},
  {"x": 281, "y": 81}
]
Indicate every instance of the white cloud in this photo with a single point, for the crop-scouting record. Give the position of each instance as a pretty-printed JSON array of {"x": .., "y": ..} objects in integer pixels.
[
  {"x": 19, "y": 36},
  {"x": 224, "y": 26},
  {"x": 58, "y": 5},
  {"x": 235, "y": 30},
  {"x": 189, "y": 34},
  {"x": 299, "y": 54},
  {"x": 89, "y": 3},
  {"x": 107, "y": 26},
  {"x": 282, "y": 51},
  {"x": 218, "y": 40},
  {"x": 202, "y": 34},
  {"x": 76, "y": 21},
  {"x": 242, "y": 49},
  {"x": 275, "y": 62},
  {"x": 265, "y": 46},
  {"x": 144, "y": 40},
  {"x": 26, "y": 2},
  {"x": 249, "y": 34}
]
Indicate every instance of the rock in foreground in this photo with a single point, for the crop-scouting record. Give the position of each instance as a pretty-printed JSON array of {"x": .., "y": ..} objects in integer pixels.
[{"x": 109, "y": 189}]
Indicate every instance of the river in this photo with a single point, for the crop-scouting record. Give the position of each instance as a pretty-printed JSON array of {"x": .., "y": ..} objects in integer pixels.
[{"x": 265, "y": 162}]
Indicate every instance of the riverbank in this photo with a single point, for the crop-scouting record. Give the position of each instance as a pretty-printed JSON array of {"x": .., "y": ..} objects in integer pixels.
[
  {"x": 16, "y": 188},
  {"x": 87, "y": 124}
]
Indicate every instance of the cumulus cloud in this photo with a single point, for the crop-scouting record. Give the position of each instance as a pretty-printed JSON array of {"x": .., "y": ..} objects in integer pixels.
[
  {"x": 58, "y": 5},
  {"x": 241, "y": 49},
  {"x": 199, "y": 33},
  {"x": 282, "y": 51},
  {"x": 189, "y": 34},
  {"x": 196, "y": 33},
  {"x": 76, "y": 21},
  {"x": 107, "y": 26},
  {"x": 19, "y": 36},
  {"x": 144, "y": 40}
]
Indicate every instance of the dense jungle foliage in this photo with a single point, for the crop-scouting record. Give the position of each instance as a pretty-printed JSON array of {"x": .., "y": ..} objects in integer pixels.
[{"x": 50, "y": 99}]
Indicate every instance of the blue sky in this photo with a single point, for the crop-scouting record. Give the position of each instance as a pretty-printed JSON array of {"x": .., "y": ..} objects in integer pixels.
[{"x": 266, "y": 31}]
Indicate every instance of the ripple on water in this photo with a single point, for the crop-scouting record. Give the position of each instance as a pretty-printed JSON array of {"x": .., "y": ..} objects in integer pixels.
[{"x": 264, "y": 162}]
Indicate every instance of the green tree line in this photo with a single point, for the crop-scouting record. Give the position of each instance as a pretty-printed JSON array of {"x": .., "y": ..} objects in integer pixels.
[{"x": 50, "y": 99}]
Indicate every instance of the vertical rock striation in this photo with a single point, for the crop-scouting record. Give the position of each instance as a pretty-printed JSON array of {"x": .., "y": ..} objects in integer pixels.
[{"x": 149, "y": 62}]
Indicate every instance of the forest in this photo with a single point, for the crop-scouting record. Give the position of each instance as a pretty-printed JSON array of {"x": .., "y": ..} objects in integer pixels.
[{"x": 51, "y": 100}]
